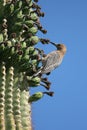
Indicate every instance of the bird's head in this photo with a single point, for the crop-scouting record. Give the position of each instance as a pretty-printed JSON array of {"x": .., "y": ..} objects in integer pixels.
[{"x": 60, "y": 47}]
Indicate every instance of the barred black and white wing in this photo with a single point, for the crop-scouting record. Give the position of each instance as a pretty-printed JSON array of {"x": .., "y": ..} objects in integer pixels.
[{"x": 50, "y": 62}]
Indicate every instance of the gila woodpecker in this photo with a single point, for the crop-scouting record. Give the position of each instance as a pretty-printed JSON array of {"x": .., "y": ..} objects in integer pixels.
[{"x": 52, "y": 60}]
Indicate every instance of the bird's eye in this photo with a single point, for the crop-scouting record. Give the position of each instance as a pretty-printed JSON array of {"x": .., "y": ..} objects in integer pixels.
[{"x": 59, "y": 44}]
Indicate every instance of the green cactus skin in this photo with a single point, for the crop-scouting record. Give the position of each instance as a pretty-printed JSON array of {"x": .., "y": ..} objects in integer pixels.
[
  {"x": 26, "y": 116},
  {"x": 9, "y": 117},
  {"x": 2, "y": 96},
  {"x": 16, "y": 108},
  {"x": 15, "y": 111}
]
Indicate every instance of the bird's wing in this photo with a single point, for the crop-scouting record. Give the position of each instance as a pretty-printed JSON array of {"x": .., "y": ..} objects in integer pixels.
[{"x": 51, "y": 61}]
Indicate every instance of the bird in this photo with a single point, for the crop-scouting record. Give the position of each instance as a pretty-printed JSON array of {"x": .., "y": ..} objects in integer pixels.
[{"x": 52, "y": 60}]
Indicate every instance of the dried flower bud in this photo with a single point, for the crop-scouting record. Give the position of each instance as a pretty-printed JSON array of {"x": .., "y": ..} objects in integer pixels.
[
  {"x": 13, "y": 35},
  {"x": 35, "y": 0},
  {"x": 49, "y": 93}
]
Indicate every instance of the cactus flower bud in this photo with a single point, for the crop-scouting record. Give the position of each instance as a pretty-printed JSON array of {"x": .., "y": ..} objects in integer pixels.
[
  {"x": 33, "y": 30},
  {"x": 34, "y": 39},
  {"x": 34, "y": 81},
  {"x": 35, "y": 97},
  {"x": 1, "y": 37}
]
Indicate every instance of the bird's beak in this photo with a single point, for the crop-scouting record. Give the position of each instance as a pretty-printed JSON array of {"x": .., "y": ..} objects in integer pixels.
[{"x": 54, "y": 44}]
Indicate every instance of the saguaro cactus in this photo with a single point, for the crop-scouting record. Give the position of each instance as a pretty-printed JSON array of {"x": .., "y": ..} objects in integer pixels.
[{"x": 19, "y": 61}]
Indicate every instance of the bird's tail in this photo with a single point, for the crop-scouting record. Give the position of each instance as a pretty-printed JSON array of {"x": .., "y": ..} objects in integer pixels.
[{"x": 38, "y": 72}]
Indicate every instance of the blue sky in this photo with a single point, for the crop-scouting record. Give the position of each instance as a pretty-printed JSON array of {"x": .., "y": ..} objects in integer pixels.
[{"x": 66, "y": 22}]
